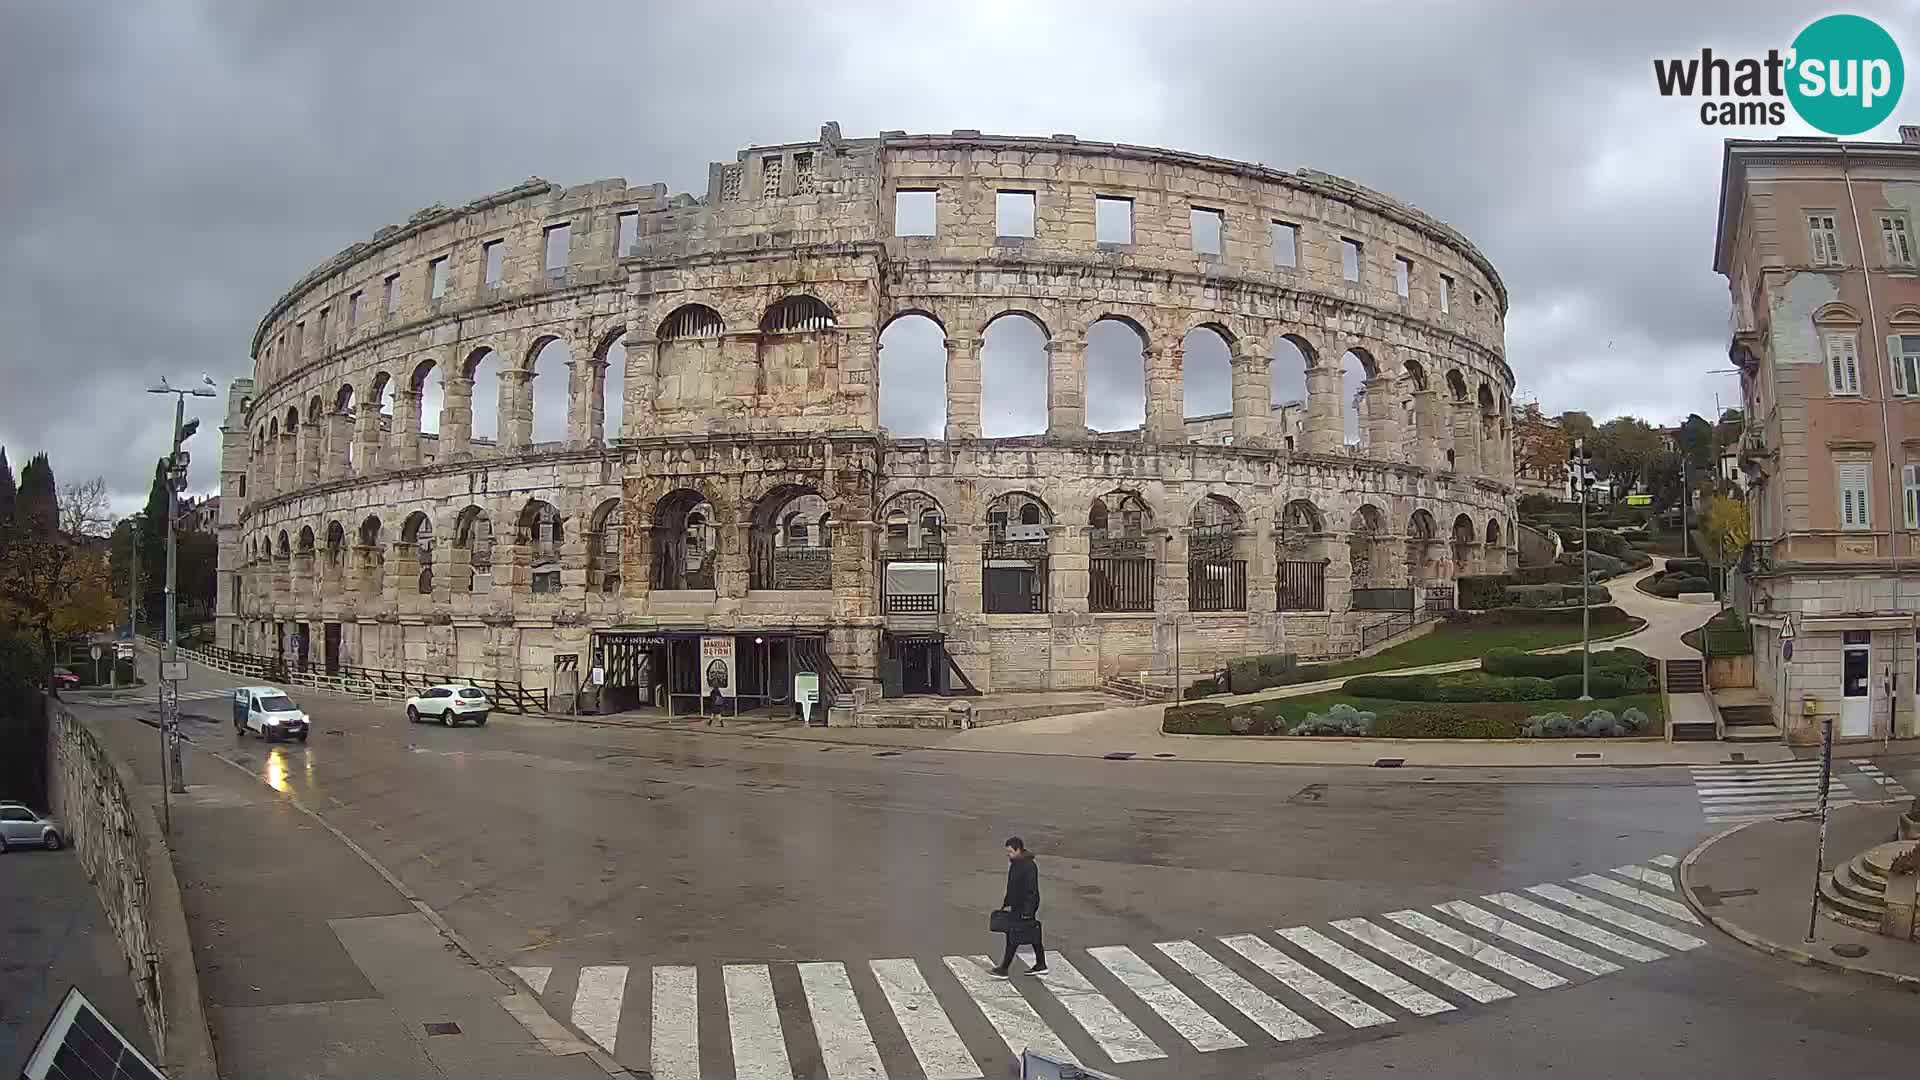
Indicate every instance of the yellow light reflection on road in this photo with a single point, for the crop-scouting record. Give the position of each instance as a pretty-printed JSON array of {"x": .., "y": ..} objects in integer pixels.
[{"x": 277, "y": 771}]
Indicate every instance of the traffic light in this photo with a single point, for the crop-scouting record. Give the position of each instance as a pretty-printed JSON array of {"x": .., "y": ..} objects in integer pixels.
[{"x": 177, "y": 469}]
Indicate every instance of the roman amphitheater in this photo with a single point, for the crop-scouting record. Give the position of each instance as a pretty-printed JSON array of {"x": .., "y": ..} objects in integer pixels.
[{"x": 609, "y": 427}]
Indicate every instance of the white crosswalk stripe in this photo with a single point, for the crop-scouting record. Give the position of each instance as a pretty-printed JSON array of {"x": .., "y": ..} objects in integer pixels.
[
  {"x": 1000, "y": 1001},
  {"x": 1665, "y": 860},
  {"x": 1118, "y": 1036},
  {"x": 1874, "y": 773},
  {"x": 1625, "y": 920},
  {"x": 759, "y": 1048},
  {"x": 1655, "y": 878},
  {"x": 1274, "y": 1018},
  {"x": 1306, "y": 982},
  {"x": 1422, "y": 961},
  {"x": 846, "y": 1044},
  {"x": 1194, "y": 1024},
  {"x": 676, "y": 1023},
  {"x": 1736, "y": 793},
  {"x": 1366, "y": 972},
  {"x": 1336, "y": 969},
  {"x": 1670, "y": 908},
  {"x": 1474, "y": 949},
  {"x": 930, "y": 1035}
]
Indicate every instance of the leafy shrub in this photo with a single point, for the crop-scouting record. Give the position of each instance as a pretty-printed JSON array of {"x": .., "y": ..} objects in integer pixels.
[
  {"x": 1551, "y": 665},
  {"x": 1249, "y": 722},
  {"x": 1608, "y": 542},
  {"x": 1476, "y": 686},
  {"x": 1534, "y": 595},
  {"x": 1553, "y": 573},
  {"x": 1436, "y": 724},
  {"x": 1341, "y": 719},
  {"x": 1598, "y": 724},
  {"x": 1264, "y": 672},
  {"x": 1394, "y": 687},
  {"x": 1635, "y": 721},
  {"x": 1687, "y": 568},
  {"x": 1203, "y": 718},
  {"x": 1200, "y": 688},
  {"x": 1566, "y": 687},
  {"x": 1480, "y": 591}
]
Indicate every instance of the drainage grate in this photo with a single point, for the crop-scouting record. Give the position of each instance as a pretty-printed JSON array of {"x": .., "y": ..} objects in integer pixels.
[
  {"x": 1594, "y": 756},
  {"x": 447, "y": 1027},
  {"x": 888, "y": 753},
  {"x": 1850, "y": 951},
  {"x": 1119, "y": 755},
  {"x": 1389, "y": 762},
  {"x": 1163, "y": 754}
]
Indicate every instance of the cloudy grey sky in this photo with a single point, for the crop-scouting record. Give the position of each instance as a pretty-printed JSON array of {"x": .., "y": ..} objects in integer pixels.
[{"x": 171, "y": 167}]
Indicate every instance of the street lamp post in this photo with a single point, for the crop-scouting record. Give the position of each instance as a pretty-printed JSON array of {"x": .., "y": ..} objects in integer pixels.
[
  {"x": 176, "y": 482},
  {"x": 1581, "y": 461}
]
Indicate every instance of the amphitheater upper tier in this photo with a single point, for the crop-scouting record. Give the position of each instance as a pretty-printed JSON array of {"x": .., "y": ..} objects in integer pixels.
[{"x": 714, "y": 460}]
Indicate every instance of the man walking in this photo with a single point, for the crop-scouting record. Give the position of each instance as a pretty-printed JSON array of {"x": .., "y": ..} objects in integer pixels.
[{"x": 1022, "y": 904}]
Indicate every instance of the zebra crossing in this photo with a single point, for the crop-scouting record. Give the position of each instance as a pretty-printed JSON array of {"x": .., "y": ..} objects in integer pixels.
[
  {"x": 1894, "y": 789},
  {"x": 1736, "y": 793},
  {"x": 950, "y": 1019},
  {"x": 142, "y": 696}
]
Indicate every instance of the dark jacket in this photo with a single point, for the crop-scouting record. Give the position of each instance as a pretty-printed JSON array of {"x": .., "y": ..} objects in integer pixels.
[{"x": 1023, "y": 887}]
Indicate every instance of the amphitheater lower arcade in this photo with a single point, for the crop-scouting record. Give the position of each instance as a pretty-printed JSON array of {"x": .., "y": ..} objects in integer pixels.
[{"x": 686, "y": 457}]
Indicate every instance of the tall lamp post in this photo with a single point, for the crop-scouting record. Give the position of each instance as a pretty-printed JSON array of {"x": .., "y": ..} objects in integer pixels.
[
  {"x": 176, "y": 483},
  {"x": 1581, "y": 463}
]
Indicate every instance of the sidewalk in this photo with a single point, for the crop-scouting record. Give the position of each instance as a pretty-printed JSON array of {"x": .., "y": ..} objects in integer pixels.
[
  {"x": 313, "y": 964},
  {"x": 53, "y": 935},
  {"x": 1755, "y": 882}
]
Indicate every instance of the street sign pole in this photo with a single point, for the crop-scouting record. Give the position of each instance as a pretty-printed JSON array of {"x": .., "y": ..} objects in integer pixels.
[
  {"x": 1820, "y": 857},
  {"x": 170, "y": 696}
]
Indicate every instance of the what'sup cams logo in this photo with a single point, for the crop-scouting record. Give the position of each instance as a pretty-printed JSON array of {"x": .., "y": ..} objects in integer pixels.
[{"x": 1842, "y": 75}]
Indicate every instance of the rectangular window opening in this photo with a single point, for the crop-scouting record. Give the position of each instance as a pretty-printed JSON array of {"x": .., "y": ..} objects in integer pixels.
[
  {"x": 1112, "y": 220},
  {"x": 1823, "y": 239},
  {"x": 391, "y": 299},
  {"x": 772, "y": 171},
  {"x": 1903, "y": 352},
  {"x": 559, "y": 240},
  {"x": 1446, "y": 294},
  {"x": 1208, "y": 227},
  {"x": 1896, "y": 233},
  {"x": 299, "y": 337},
  {"x": 628, "y": 234},
  {"x": 914, "y": 212},
  {"x": 437, "y": 278},
  {"x": 1013, "y": 213},
  {"x": 1856, "y": 508},
  {"x": 353, "y": 310},
  {"x": 1843, "y": 365},
  {"x": 1286, "y": 244},
  {"x": 493, "y": 255},
  {"x": 1402, "y": 275},
  {"x": 1350, "y": 259},
  {"x": 1910, "y": 488}
]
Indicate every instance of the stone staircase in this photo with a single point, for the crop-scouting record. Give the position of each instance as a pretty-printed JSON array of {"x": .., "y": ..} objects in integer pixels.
[
  {"x": 1686, "y": 676},
  {"x": 1135, "y": 690},
  {"x": 1748, "y": 723},
  {"x": 1855, "y": 892}
]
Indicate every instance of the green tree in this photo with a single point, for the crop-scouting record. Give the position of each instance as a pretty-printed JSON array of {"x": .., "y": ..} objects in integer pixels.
[
  {"x": 1624, "y": 449},
  {"x": 54, "y": 580},
  {"x": 1576, "y": 425},
  {"x": 1726, "y": 528},
  {"x": 1695, "y": 440},
  {"x": 153, "y": 549}
]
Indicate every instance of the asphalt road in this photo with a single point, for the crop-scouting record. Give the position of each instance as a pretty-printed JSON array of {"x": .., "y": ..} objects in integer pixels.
[{"x": 575, "y": 851}]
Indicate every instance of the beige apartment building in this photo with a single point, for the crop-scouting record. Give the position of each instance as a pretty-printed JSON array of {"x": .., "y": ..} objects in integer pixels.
[{"x": 1816, "y": 239}]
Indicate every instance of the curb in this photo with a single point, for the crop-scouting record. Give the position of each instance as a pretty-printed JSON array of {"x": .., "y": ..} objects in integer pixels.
[
  {"x": 1773, "y": 948},
  {"x": 530, "y": 1013}
]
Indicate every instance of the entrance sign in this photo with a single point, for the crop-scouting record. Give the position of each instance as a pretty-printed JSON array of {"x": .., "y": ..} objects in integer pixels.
[
  {"x": 598, "y": 676},
  {"x": 716, "y": 666},
  {"x": 173, "y": 671},
  {"x": 806, "y": 693}
]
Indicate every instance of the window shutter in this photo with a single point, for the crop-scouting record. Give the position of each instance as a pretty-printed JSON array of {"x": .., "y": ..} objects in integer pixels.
[
  {"x": 1853, "y": 372},
  {"x": 1836, "y": 378},
  {"x": 1899, "y": 363},
  {"x": 1855, "y": 509},
  {"x": 1819, "y": 238},
  {"x": 1910, "y": 485}
]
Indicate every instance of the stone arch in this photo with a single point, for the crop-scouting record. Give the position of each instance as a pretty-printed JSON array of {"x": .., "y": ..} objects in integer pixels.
[
  {"x": 924, "y": 312},
  {"x": 1116, "y": 373},
  {"x": 336, "y": 547},
  {"x": 416, "y": 538},
  {"x": 539, "y": 530},
  {"x": 1836, "y": 314},
  {"x": 1216, "y": 555},
  {"x": 1013, "y": 374},
  {"x": 1121, "y": 550},
  {"x": 284, "y": 550},
  {"x": 1015, "y": 562},
  {"x": 305, "y": 543},
  {"x": 1295, "y": 524},
  {"x": 1463, "y": 530},
  {"x": 1206, "y": 380},
  {"x": 293, "y": 421},
  {"x": 912, "y": 521},
  {"x": 801, "y": 313},
  {"x": 690, "y": 321},
  {"x": 680, "y": 533},
  {"x": 789, "y": 540},
  {"x": 606, "y": 535},
  {"x": 428, "y": 386},
  {"x": 482, "y": 372},
  {"x": 1420, "y": 525},
  {"x": 546, "y": 405},
  {"x": 1290, "y": 395},
  {"x": 1456, "y": 385},
  {"x": 473, "y": 541},
  {"x": 315, "y": 409},
  {"x": 1415, "y": 373},
  {"x": 343, "y": 400},
  {"x": 1493, "y": 532},
  {"x": 610, "y": 383},
  {"x": 690, "y": 361},
  {"x": 1366, "y": 529},
  {"x": 913, "y": 376}
]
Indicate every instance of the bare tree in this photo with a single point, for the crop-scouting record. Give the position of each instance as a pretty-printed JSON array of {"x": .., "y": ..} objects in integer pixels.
[{"x": 83, "y": 510}]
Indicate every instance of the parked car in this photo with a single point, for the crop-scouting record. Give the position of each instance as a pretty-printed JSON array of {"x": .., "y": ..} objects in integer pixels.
[
  {"x": 268, "y": 712},
  {"x": 65, "y": 679},
  {"x": 21, "y": 827},
  {"x": 449, "y": 703}
]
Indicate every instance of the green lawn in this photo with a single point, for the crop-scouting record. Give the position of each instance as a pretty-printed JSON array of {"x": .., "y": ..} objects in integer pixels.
[
  {"x": 1429, "y": 719},
  {"x": 1465, "y": 643}
]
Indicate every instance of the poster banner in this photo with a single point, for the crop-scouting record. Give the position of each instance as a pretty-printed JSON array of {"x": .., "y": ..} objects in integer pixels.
[{"x": 716, "y": 667}]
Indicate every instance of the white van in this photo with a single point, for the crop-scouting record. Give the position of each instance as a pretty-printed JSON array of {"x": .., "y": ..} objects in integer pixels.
[{"x": 269, "y": 712}]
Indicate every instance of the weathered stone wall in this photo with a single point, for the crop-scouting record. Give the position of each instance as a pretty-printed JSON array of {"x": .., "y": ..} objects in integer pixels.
[{"x": 749, "y": 323}]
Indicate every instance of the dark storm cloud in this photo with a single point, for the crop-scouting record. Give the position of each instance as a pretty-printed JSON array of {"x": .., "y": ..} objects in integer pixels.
[{"x": 172, "y": 167}]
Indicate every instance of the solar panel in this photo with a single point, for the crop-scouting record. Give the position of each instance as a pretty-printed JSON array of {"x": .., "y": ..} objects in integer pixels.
[{"x": 79, "y": 1044}]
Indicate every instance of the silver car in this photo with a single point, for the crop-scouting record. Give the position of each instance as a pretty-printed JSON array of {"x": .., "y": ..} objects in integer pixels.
[{"x": 21, "y": 827}]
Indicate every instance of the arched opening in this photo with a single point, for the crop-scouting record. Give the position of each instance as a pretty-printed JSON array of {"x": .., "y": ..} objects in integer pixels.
[
  {"x": 1116, "y": 375},
  {"x": 681, "y": 536},
  {"x": 550, "y": 391},
  {"x": 1493, "y": 533},
  {"x": 913, "y": 554},
  {"x": 1292, "y": 356},
  {"x": 1298, "y": 539},
  {"x": 373, "y": 560},
  {"x": 789, "y": 542},
  {"x": 613, "y": 388},
  {"x": 340, "y": 437},
  {"x": 1121, "y": 553},
  {"x": 798, "y": 352},
  {"x": 540, "y": 532},
  {"x": 303, "y": 549},
  {"x": 609, "y": 525},
  {"x": 473, "y": 539},
  {"x": 1464, "y": 535},
  {"x": 1216, "y": 574},
  {"x": 1356, "y": 368},
  {"x": 691, "y": 360},
  {"x": 1364, "y": 532},
  {"x": 1421, "y": 533},
  {"x": 1014, "y": 563},
  {"x": 1013, "y": 376},
  {"x": 416, "y": 536},
  {"x": 800, "y": 314},
  {"x": 430, "y": 395},
  {"x": 336, "y": 549},
  {"x": 913, "y": 378},
  {"x": 285, "y": 550},
  {"x": 1206, "y": 381},
  {"x": 483, "y": 408}
]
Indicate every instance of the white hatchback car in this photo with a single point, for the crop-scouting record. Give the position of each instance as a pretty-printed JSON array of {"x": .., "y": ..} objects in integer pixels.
[{"x": 449, "y": 703}]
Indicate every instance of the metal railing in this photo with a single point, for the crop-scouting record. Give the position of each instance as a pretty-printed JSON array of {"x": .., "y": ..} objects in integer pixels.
[
  {"x": 372, "y": 683},
  {"x": 1372, "y": 599},
  {"x": 1301, "y": 585},
  {"x": 1217, "y": 585},
  {"x": 1120, "y": 585}
]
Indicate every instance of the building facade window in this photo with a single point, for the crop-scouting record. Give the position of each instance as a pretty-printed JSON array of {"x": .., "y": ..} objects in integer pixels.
[
  {"x": 493, "y": 260},
  {"x": 1897, "y": 235},
  {"x": 1823, "y": 240},
  {"x": 1843, "y": 365},
  {"x": 1856, "y": 508},
  {"x": 1910, "y": 489},
  {"x": 1402, "y": 275},
  {"x": 437, "y": 278},
  {"x": 1112, "y": 220},
  {"x": 1286, "y": 244},
  {"x": 1446, "y": 294},
  {"x": 1350, "y": 260},
  {"x": 1208, "y": 228},
  {"x": 1903, "y": 352}
]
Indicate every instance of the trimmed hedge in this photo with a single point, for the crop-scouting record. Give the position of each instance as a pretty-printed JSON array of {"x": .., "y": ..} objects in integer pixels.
[
  {"x": 1268, "y": 670},
  {"x": 1458, "y": 687},
  {"x": 1607, "y": 616},
  {"x": 1419, "y": 724},
  {"x": 1201, "y": 718},
  {"x": 1481, "y": 591},
  {"x": 1551, "y": 665}
]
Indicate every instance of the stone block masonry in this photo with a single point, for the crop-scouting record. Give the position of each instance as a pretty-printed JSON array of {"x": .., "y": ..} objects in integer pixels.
[{"x": 744, "y": 481}]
